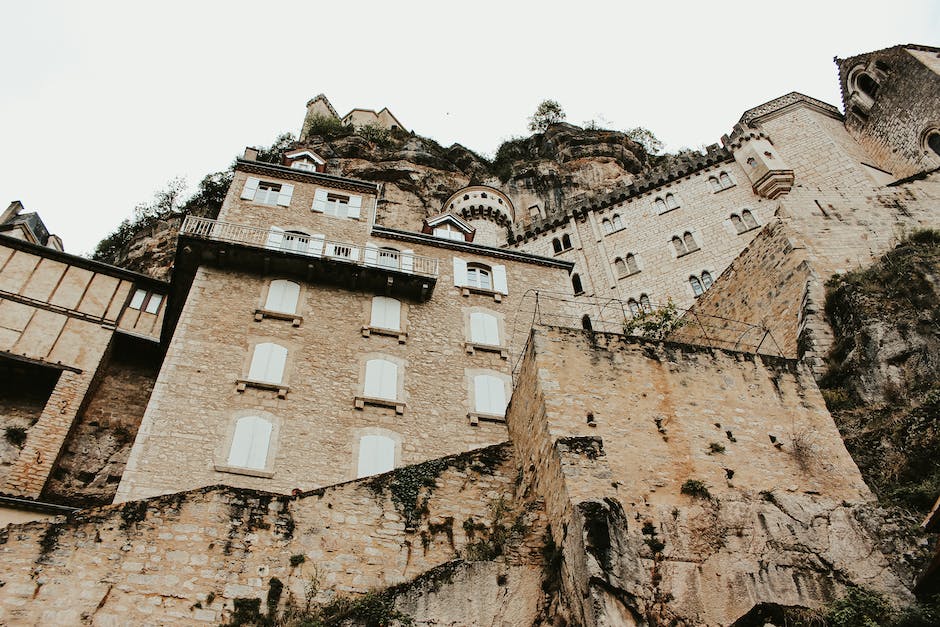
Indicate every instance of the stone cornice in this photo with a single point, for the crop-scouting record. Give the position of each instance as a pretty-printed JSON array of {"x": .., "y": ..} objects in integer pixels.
[
  {"x": 777, "y": 106},
  {"x": 302, "y": 176}
]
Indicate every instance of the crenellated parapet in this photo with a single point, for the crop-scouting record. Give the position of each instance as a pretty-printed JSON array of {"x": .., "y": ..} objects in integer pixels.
[
  {"x": 684, "y": 166},
  {"x": 769, "y": 174}
]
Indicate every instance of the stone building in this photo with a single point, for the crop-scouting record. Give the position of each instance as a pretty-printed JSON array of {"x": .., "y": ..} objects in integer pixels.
[{"x": 436, "y": 401}]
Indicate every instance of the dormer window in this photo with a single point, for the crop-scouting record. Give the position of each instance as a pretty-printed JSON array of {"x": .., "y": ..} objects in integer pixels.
[
  {"x": 447, "y": 231},
  {"x": 306, "y": 166}
]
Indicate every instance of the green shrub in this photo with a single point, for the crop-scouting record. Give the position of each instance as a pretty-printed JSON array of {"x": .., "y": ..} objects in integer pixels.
[
  {"x": 297, "y": 560},
  {"x": 859, "y": 608},
  {"x": 715, "y": 448},
  {"x": 15, "y": 435},
  {"x": 696, "y": 488}
]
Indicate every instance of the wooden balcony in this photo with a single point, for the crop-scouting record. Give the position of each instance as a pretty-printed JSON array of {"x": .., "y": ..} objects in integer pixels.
[{"x": 308, "y": 257}]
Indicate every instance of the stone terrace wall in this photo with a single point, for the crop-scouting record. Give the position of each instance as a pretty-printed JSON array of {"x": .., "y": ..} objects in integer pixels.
[
  {"x": 184, "y": 558},
  {"x": 779, "y": 521},
  {"x": 764, "y": 286}
]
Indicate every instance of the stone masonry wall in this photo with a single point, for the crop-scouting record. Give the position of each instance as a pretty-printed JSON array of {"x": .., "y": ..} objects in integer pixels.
[
  {"x": 773, "y": 519},
  {"x": 185, "y": 558},
  {"x": 187, "y": 429}
]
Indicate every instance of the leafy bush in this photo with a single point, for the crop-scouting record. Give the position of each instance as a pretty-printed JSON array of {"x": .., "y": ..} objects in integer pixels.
[
  {"x": 859, "y": 608},
  {"x": 15, "y": 435},
  {"x": 548, "y": 112},
  {"x": 715, "y": 448},
  {"x": 695, "y": 488},
  {"x": 327, "y": 127},
  {"x": 375, "y": 134},
  {"x": 657, "y": 324}
]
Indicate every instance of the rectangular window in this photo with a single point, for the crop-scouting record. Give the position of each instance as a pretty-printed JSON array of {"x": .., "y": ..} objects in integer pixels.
[
  {"x": 386, "y": 313},
  {"x": 337, "y": 205},
  {"x": 381, "y": 379},
  {"x": 484, "y": 329},
  {"x": 376, "y": 455},
  {"x": 148, "y": 302},
  {"x": 489, "y": 395},
  {"x": 138, "y": 300}
]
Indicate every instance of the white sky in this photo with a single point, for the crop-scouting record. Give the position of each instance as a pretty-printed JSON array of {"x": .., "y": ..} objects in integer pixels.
[{"x": 104, "y": 102}]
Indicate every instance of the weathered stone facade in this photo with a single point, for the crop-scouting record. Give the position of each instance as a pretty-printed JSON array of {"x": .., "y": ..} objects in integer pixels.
[{"x": 320, "y": 328}]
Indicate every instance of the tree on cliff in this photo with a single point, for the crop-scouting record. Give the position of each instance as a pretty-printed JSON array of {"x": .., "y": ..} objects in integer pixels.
[{"x": 549, "y": 112}]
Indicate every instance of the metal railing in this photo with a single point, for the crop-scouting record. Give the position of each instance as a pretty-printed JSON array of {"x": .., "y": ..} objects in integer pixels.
[
  {"x": 309, "y": 245},
  {"x": 658, "y": 322}
]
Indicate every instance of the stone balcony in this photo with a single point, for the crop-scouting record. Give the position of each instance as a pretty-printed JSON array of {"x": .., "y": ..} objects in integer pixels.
[{"x": 310, "y": 258}]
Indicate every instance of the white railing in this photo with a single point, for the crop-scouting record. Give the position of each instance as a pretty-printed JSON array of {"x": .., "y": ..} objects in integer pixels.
[{"x": 309, "y": 245}]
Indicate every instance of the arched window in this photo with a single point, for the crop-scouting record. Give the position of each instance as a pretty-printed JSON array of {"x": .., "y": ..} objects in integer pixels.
[
  {"x": 607, "y": 226},
  {"x": 267, "y": 363},
  {"x": 933, "y": 142},
  {"x": 671, "y": 202},
  {"x": 556, "y": 245},
  {"x": 576, "y": 284},
  {"x": 867, "y": 85},
  {"x": 690, "y": 244},
  {"x": 696, "y": 285},
  {"x": 634, "y": 307},
  {"x": 566, "y": 242},
  {"x": 713, "y": 181},
  {"x": 748, "y": 219},
  {"x": 679, "y": 246},
  {"x": 725, "y": 180},
  {"x": 706, "y": 280},
  {"x": 484, "y": 328},
  {"x": 660, "y": 205},
  {"x": 381, "y": 379},
  {"x": 737, "y": 223},
  {"x": 645, "y": 303},
  {"x": 250, "y": 443},
  {"x": 386, "y": 313},
  {"x": 376, "y": 455},
  {"x": 479, "y": 276},
  {"x": 620, "y": 266},
  {"x": 489, "y": 395},
  {"x": 617, "y": 222},
  {"x": 282, "y": 296},
  {"x": 632, "y": 266},
  {"x": 586, "y": 323}
]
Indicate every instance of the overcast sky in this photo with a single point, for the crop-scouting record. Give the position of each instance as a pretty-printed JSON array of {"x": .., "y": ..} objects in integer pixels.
[{"x": 103, "y": 103}]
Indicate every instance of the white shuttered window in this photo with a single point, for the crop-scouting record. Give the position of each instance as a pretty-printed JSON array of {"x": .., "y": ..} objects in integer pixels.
[
  {"x": 282, "y": 296},
  {"x": 484, "y": 329},
  {"x": 267, "y": 363},
  {"x": 250, "y": 443},
  {"x": 376, "y": 455},
  {"x": 489, "y": 395},
  {"x": 381, "y": 379},
  {"x": 386, "y": 313}
]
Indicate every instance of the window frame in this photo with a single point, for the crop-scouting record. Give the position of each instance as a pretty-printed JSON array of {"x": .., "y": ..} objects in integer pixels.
[
  {"x": 474, "y": 343},
  {"x": 264, "y": 311},
  {"x": 247, "y": 381},
  {"x": 224, "y": 449},
  {"x": 366, "y": 397},
  {"x": 369, "y": 329},
  {"x": 493, "y": 377}
]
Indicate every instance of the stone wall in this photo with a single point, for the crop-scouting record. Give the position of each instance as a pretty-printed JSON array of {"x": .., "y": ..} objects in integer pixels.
[
  {"x": 704, "y": 482},
  {"x": 90, "y": 466},
  {"x": 187, "y": 557},
  {"x": 186, "y": 433},
  {"x": 61, "y": 311}
]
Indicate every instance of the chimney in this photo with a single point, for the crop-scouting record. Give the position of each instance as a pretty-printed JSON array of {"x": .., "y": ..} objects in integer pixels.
[{"x": 251, "y": 154}]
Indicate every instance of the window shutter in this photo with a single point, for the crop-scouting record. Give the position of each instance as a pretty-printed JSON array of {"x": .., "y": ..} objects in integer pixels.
[
  {"x": 407, "y": 260},
  {"x": 355, "y": 205},
  {"x": 381, "y": 379},
  {"x": 275, "y": 237},
  {"x": 460, "y": 272},
  {"x": 319, "y": 201},
  {"x": 283, "y": 198},
  {"x": 282, "y": 296},
  {"x": 251, "y": 186},
  {"x": 376, "y": 455},
  {"x": 386, "y": 313},
  {"x": 267, "y": 363},
  {"x": 250, "y": 443},
  {"x": 153, "y": 305},
  {"x": 371, "y": 257},
  {"x": 490, "y": 394},
  {"x": 316, "y": 244},
  {"x": 499, "y": 280},
  {"x": 484, "y": 329}
]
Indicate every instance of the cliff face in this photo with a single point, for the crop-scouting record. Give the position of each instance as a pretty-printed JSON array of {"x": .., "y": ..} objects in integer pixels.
[
  {"x": 883, "y": 384},
  {"x": 418, "y": 175}
]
